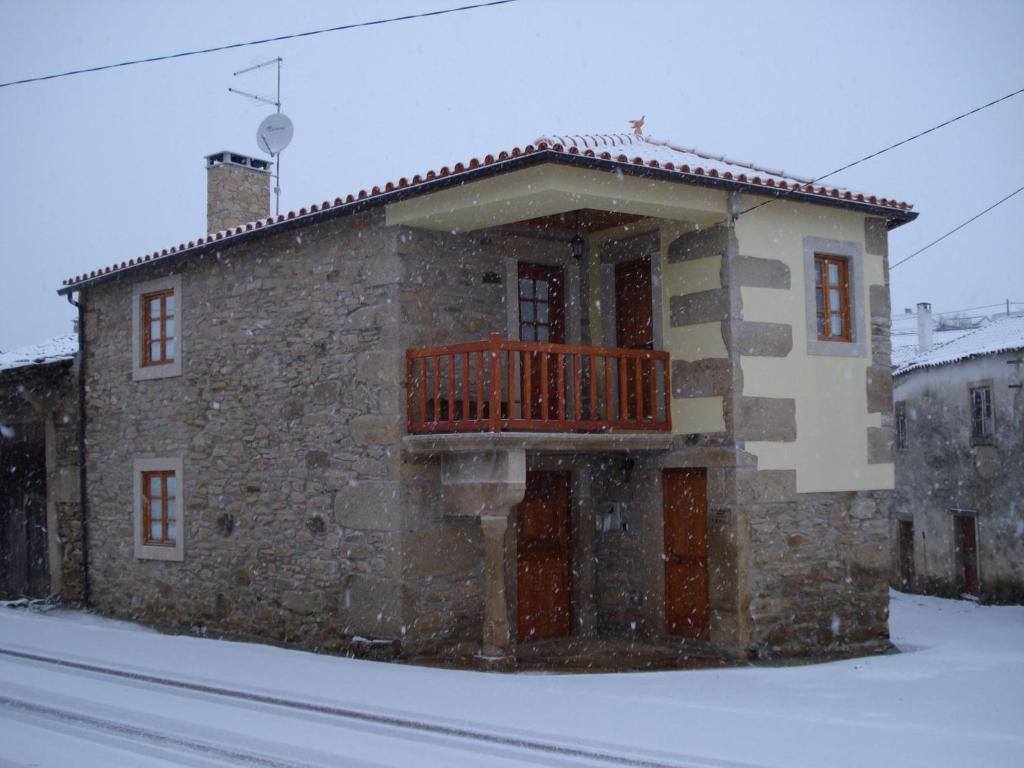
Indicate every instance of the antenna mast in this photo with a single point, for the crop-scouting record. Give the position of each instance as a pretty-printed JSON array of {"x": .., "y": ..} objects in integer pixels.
[{"x": 275, "y": 132}]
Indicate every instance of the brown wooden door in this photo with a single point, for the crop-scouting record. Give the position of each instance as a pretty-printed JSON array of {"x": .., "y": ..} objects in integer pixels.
[
  {"x": 541, "y": 318},
  {"x": 906, "y": 554},
  {"x": 544, "y": 588},
  {"x": 966, "y": 541},
  {"x": 634, "y": 325},
  {"x": 686, "y": 552}
]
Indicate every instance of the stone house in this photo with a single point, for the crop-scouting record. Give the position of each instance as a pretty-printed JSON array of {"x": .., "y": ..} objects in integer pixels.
[
  {"x": 40, "y": 522},
  {"x": 599, "y": 390},
  {"x": 959, "y": 509}
]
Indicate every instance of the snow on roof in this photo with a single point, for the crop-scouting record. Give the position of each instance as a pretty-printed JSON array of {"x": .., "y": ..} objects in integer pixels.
[
  {"x": 620, "y": 148},
  {"x": 1000, "y": 335},
  {"x": 52, "y": 351}
]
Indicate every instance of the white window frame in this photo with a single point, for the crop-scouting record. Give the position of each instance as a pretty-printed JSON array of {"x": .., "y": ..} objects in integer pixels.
[
  {"x": 145, "y": 551},
  {"x": 142, "y": 372}
]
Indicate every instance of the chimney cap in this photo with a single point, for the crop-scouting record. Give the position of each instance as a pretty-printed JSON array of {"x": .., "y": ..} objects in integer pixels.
[{"x": 227, "y": 157}]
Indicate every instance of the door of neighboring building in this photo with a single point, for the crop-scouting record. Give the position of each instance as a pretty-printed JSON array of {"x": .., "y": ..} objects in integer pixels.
[
  {"x": 634, "y": 321},
  {"x": 686, "y": 552},
  {"x": 906, "y": 554},
  {"x": 24, "y": 563},
  {"x": 542, "y": 319},
  {"x": 543, "y": 560},
  {"x": 965, "y": 540}
]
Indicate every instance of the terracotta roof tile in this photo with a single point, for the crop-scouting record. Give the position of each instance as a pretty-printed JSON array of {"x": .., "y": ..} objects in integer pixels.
[{"x": 643, "y": 151}]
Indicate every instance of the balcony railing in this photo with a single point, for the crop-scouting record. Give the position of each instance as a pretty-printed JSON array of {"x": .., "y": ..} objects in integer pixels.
[{"x": 498, "y": 385}]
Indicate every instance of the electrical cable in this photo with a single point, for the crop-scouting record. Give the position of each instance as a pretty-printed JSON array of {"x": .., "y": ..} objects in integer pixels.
[
  {"x": 890, "y": 147},
  {"x": 264, "y": 41},
  {"x": 956, "y": 228}
]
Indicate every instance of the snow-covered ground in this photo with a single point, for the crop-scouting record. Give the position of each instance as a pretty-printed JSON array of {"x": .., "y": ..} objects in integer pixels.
[{"x": 954, "y": 697}]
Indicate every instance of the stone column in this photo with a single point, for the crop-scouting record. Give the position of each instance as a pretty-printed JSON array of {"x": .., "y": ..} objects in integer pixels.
[
  {"x": 488, "y": 484},
  {"x": 497, "y": 633}
]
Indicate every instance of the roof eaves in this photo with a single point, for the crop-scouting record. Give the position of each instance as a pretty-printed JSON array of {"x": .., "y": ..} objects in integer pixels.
[{"x": 462, "y": 174}]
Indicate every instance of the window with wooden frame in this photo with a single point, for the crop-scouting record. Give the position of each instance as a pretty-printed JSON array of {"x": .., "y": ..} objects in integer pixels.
[
  {"x": 981, "y": 414},
  {"x": 158, "y": 336},
  {"x": 159, "y": 508},
  {"x": 832, "y": 297}
]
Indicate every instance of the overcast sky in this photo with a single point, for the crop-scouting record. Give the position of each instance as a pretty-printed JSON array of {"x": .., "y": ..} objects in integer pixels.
[{"x": 105, "y": 167}]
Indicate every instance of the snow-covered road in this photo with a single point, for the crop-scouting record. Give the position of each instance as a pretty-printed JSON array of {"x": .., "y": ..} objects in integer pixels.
[{"x": 954, "y": 697}]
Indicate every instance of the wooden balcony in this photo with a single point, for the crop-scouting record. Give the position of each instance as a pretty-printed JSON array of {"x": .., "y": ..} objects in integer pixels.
[{"x": 500, "y": 386}]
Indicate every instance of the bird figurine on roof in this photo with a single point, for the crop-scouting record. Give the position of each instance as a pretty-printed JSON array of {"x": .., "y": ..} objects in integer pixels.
[{"x": 638, "y": 126}]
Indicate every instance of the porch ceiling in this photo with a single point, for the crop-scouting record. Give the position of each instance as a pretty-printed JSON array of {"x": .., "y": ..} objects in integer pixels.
[{"x": 547, "y": 190}]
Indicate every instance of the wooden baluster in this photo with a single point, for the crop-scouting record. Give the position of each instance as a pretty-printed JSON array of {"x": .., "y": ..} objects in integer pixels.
[
  {"x": 593, "y": 387},
  {"x": 623, "y": 389},
  {"x": 527, "y": 396},
  {"x": 652, "y": 386},
  {"x": 561, "y": 387},
  {"x": 480, "y": 385},
  {"x": 638, "y": 387},
  {"x": 465, "y": 386},
  {"x": 545, "y": 385},
  {"x": 494, "y": 351},
  {"x": 666, "y": 364},
  {"x": 511, "y": 376},
  {"x": 423, "y": 389},
  {"x": 577, "y": 387},
  {"x": 452, "y": 416},
  {"x": 437, "y": 388},
  {"x": 608, "y": 404}
]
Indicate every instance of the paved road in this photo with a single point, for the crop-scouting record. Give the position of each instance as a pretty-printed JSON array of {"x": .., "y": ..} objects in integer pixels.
[{"x": 109, "y": 716}]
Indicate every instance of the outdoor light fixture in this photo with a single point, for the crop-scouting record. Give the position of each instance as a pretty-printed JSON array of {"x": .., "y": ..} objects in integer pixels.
[{"x": 578, "y": 244}]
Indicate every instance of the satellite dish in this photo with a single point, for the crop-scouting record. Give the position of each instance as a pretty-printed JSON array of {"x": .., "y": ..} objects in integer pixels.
[{"x": 274, "y": 133}]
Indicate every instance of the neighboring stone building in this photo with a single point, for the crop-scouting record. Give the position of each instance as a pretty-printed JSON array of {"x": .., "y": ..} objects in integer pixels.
[
  {"x": 40, "y": 520},
  {"x": 582, "y": 391},
  {"x": 959, "y": 512}
]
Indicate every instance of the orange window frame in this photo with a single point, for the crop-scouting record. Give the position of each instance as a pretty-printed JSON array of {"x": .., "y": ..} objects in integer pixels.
[
  {"x": 823, "y": 287},
  {"x": 147, "y": 328},
  {"x": 165, "y": 539}
]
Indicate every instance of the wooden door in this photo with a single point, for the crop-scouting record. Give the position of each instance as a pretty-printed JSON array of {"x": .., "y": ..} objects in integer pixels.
[
  {"x": 686, "y": 552},
  {"x": 543, "y": 559},
  {"x": 906, "y": 554},
  {"x": 542, "y": 319},
  {"x": 24, "y": 561},
  {"x": 634, "y": 326},
  {"x": 966, "y": 542}
]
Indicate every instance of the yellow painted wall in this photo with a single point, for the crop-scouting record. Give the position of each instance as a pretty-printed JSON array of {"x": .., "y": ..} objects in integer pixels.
[{"x": 830, "y": 452}]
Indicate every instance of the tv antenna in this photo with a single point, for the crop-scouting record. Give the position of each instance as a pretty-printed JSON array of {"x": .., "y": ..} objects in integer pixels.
[{"x": 276, "y": 130}]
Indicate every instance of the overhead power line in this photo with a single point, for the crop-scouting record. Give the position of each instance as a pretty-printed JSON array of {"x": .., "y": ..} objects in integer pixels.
[
  {"x": 264, "y": 41},
  {"x": 962, "y": 309},
  {"x": 900, "y": 143},
  {"x": 956, "y": 228}
]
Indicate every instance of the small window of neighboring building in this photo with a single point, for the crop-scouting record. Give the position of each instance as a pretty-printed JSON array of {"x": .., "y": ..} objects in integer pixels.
[
  {"x": 981, "y": 413},
  {"x": 158, "y": 328},
  {"x": 832, "y": 297},
  {"x": 159, "y": 509},
  {"x": 901, "y": 426}
]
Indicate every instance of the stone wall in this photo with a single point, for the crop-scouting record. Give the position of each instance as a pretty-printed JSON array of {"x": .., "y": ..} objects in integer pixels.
[
  {"x": 942, "y": 469},
  {"x": 287, "y": 417},
  {"x": 818, "y": 574},
  {"x": 45, "y": 398}
]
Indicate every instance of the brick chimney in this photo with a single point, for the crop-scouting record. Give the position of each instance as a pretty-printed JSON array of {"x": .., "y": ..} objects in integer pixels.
[
  {"x": 924, "y": 326},
  {"x": 237, "y": 190}
]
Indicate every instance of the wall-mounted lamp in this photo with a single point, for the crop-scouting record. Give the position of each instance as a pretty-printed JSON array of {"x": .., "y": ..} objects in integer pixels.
[{"x": 578, "y": 244}]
